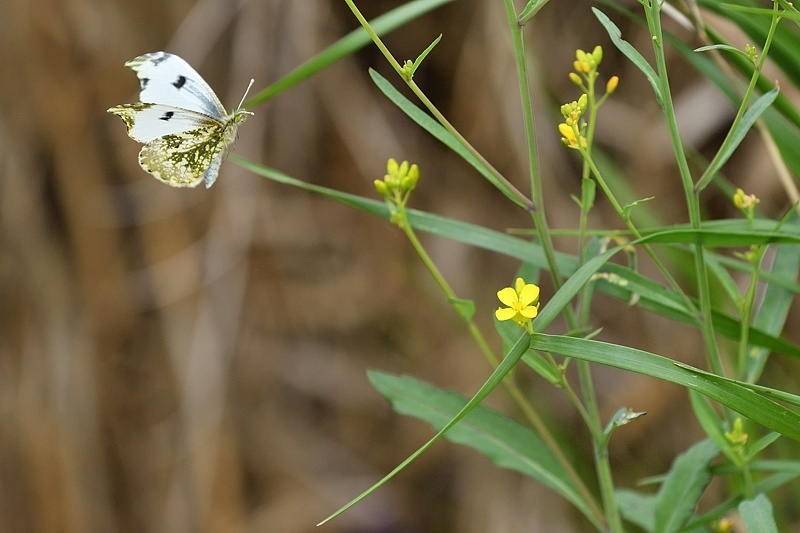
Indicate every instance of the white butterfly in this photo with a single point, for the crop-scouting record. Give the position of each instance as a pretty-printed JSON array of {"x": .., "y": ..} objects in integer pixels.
[{"x": 185, "y": 129}]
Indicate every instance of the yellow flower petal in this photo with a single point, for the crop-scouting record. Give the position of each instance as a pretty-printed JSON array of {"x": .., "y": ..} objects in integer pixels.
[
  {"x": 530, "y": 311},
  {"x": 519, "y": 283},
  {"x": 508, "y": 296},
  {"x": 505, "y": 313},
  {"x": 529, "y": 294}
]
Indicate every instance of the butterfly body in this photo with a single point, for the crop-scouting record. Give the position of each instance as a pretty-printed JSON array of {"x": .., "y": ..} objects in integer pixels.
[{"x": 185, "y": 129}]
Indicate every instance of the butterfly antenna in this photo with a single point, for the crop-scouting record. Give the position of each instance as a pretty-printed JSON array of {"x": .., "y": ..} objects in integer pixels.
[{"x": 245, "y": 93}]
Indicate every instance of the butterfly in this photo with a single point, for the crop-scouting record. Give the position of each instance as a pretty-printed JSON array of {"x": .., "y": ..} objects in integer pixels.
[{"x": 185, "y": 130}]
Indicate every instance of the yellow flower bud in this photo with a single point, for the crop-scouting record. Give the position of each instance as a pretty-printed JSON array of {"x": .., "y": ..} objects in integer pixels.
[
  {"x": 597, "y": 55},
  {"x": 611, "y": 86},
  {"x": 391, "y": 166},
  {"x": 574, "y": 78},
  {"x": 381, "y": 187},
  {"x": 409, "y": 183},
  {"x": 583, "y": 101}
]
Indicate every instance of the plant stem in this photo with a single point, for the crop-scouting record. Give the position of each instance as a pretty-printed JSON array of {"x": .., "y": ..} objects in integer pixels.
[
  {"x": 652, "y": 12},
  {"x": 527, "y": 410},
  {"x": 537, "y": 214},
  {"x": 520, "y": 197}
]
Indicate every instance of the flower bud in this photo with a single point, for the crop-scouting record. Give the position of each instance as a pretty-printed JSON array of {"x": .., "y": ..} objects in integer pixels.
[
  {"x": 611, "y": 86},
  {"x": 381, "y": 187},
  {"x": 597, "y": 55}
]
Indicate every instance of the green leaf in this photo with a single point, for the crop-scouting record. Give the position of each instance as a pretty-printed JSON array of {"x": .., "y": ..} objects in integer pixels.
[
  {"x": 509, "y": 331},
  {"x": 777, "y": 299},
  {"x": 735, "y": 137},
  {"x": 761, "y": 444},
  {"x": 530, "y": 10},
  {"x": 630, "y": 52},
  {"x": 712, "y": 425},
  {"x": 761, "y": 11},
  {"x": 653, "y": 296},
  {"x": 506, "y": 365},
  {"x": 685, "y": 483},
  {"x": 439, "y": 132},
  {"x": 637, "y": 508},
  {"x": 465, "y": 308},
  {"x": 725, "y": 47},
  {"x": 757, "y": 515},
  {"x": 345, "y": 46},
  {"x": 505, "y": 442},
  {"x": 424, "y": 54},
  {"x": 627, "y": 208},
  {"x": 743, "y": 400}
]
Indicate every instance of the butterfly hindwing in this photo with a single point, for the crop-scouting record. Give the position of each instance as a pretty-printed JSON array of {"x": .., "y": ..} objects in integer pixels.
[{"x": 183, "y": 159}]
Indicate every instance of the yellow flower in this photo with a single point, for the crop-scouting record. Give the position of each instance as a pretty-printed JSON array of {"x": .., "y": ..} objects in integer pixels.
[
  {"x": 568, "y": 136},
  {"x": 522, "y": 302},
  {"x": 745, "y": 202}
]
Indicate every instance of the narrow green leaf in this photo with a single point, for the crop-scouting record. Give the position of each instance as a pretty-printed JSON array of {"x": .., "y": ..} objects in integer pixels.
[
  {"x": 465, "y": 308},
  {"x": 712, "y": 425},
  {"x": 764, "y": 484},
  {"x": 506, "y": 365},
  {"x": 757, "y": 515},
  {"x": 776, "y": 302},
  {"x": 439, "y": 132},
  {"x": 425, "y": 53},
  {"x": 735, "y": 137},
  {"x": 505, "y": 442},
  {"x": 761, "y": 444},
  {"x": 637, "y": 508},
  {"x": 725, "y": 47},
  {"x": 345, "y": 46},
  {"x": 530, "y": 10},
  {"x": 652, "y": 296},
  {"x": 630, "y": 52},
  {"x": 685, "y": 483},
  {"x": 747, "y": 402},
  {"x": 760, "y": 11}
]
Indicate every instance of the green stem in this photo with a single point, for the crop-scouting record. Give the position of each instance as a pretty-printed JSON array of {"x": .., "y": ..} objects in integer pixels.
[
  {"x": 538, "y": 213},
  {"x": 652, "y": 11},
  {"x": 706, "y": 178},
  {"x": 524, "y": 200},
  {"x": 527, "y": 410}
]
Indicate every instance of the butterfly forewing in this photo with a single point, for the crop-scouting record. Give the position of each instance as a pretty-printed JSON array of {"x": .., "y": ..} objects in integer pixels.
[
  {"x": 167, "y": 79},
  {"x": 146, "y": 122}
]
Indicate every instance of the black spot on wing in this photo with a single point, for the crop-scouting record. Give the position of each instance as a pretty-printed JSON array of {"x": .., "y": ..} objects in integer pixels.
[
  {"x": 143, "y": 82},
  {"x": 168, "y": 115},
  {"x": 157, "y": 57},
  {"x": 180, "y": 82}
]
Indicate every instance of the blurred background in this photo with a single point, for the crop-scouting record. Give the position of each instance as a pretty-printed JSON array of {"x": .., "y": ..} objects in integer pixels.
[{"x": 195, "y": 360}]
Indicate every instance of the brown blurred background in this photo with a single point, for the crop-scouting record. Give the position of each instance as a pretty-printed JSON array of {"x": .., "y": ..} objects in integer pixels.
[{"x": 190, "y": 360}]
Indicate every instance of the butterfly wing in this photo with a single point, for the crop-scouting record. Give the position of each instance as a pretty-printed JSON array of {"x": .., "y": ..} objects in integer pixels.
[
  {"x": 167, "y": 79},
  {"x": 186, "y": 158},
  {"x": 145, "y": 122}
]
